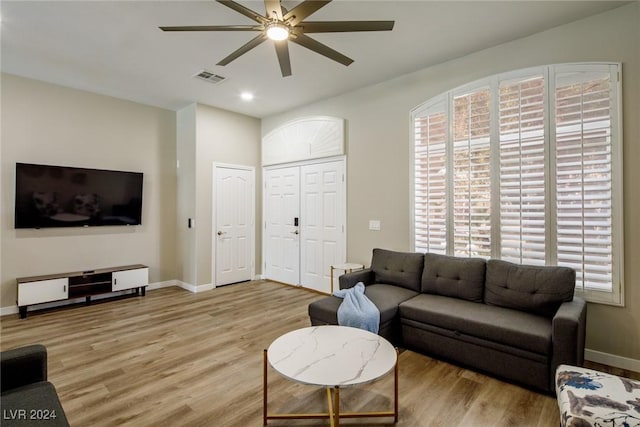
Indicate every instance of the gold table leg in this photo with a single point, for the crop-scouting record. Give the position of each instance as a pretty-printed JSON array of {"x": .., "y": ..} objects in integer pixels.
[
  {"x": 330, "y": 406},
  {"x": 332, "y": 279},
  {"x": 333, "y": 403},
  {"x": 395, "y": 388},
  {"x": 264, "y": 388},
  {"x": 337, "y": 414}
]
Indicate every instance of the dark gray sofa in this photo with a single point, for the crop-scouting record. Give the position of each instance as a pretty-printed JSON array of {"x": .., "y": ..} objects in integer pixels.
[
  {"x": 514, "y": 321},
  {"x": 26, "y": 397}
]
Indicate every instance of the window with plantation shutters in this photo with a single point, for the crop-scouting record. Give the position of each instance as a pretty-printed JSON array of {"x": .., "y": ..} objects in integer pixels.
[
  {"x": 584, "y": 193},
  {"x": 471, "y": 169},
  {"x": 429, "y": 181},
  {"x": 525, "y": 167},
  {"x": 521, "y": 124}
]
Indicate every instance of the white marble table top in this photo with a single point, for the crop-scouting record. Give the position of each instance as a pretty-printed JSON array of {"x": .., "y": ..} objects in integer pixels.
[
  {"x": 348, "y": 266},
  {"x": 331, "y": 356}
]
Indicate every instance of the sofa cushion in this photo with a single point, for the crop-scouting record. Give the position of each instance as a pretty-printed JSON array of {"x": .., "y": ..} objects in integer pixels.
[
  {"x": 397, "y": 268},
  {"x": 385, "y": 297},
  {"x": 514, "y": 328},
  {"x": 535, "y": 289},
  {"x": 454, "y": 276},
  {"x": 324, "y": 311},
  {"x": 38, "y": 398},
  {"x": 23, "y": 365}
]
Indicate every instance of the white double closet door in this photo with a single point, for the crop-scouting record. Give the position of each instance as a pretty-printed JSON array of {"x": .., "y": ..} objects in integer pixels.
[{"x": 304, "y": 216}]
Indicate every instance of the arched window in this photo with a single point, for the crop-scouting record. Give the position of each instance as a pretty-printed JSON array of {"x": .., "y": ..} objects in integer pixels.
[{"x": 526, "y": 167}]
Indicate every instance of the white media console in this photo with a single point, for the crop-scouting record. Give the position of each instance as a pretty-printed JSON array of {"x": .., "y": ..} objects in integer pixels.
[{"x": 80, "y": 284}]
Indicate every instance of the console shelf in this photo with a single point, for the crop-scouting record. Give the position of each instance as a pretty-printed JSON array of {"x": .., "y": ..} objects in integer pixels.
[{"x": 80, "y": 284}]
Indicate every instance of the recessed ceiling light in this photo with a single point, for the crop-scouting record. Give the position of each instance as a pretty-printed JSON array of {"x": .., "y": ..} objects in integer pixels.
[{"x": 246, "y": 96}]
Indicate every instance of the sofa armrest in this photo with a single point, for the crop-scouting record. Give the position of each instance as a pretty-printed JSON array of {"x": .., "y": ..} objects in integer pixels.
[
  {"x": 349, "y": 280},
  {"x": 568, "y": 334},
  {"x": 22, "y": 366}
]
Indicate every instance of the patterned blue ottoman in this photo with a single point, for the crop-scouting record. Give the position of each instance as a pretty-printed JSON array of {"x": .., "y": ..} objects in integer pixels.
[{"x": 589, "y": 398}]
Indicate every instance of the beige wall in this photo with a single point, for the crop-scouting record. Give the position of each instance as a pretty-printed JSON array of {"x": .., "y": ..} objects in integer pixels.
[
  {"x": 44, "y": 123},
  {"x": 209, "y": 135},
  {"x": 186, "y": 194},
  {"x": 378, "y": 141},
  {"x": 230, "y": 138}
]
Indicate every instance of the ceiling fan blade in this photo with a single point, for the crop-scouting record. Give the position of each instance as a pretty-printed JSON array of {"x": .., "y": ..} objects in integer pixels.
[
  {"x": 304, "y": 9},
  {"x": 320, "y": 48},
  {"x": 244, "y": 10},
  {"x": 273, "y": 6},
  {"x": 244, "y": 49},
  {"x": 345, "y": 26},
  {"x": 214, "y": 28},
  {"x": 282, "y": 50}
]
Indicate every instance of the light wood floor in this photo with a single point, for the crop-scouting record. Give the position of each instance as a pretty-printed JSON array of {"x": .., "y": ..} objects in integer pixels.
[{"x": 174, "y": 358}]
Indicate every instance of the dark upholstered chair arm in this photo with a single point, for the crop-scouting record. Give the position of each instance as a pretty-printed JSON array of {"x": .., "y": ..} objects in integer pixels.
[
  {"x": 349, "y": 280},
  {"x": 22, "y": 366},
  {"x": 568, "y": 334}
]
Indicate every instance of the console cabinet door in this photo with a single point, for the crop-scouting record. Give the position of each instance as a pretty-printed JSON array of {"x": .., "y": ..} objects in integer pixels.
[
  {"x": 129, "y": 279},
  {"x": 42, "y": 291}
]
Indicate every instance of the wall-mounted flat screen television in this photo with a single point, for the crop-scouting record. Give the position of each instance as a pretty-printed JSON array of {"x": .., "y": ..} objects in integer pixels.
[{"x": 60, "y": 196}]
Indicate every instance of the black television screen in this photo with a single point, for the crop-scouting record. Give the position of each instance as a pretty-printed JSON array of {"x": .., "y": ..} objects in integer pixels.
[{"x": 60, "y": 196}]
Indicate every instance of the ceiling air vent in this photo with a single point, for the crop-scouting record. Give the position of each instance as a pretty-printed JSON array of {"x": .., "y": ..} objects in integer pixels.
[{"x": 209, "y": 77}]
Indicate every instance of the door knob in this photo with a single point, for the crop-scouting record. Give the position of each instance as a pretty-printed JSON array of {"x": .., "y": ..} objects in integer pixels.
[
  {"x": 295, "y": 232},
  {"x": 220, "y": 233}
]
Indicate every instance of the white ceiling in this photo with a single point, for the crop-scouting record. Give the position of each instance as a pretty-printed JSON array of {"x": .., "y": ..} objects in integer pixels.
[{"x": 115, "y": 47}]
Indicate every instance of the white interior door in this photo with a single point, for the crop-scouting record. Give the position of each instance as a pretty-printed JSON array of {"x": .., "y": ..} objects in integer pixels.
[
  {"x": 281, "y": 252},
  {"x": 322, "y": 234},
  {"x": 233, "y": 228}
]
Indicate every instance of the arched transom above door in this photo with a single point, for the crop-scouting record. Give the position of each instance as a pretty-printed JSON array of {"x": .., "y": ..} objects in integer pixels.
[{"x": 304, "y": 139}]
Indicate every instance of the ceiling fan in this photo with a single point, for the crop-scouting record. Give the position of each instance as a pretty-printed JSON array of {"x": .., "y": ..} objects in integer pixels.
[{"x": 282, "y": 25}]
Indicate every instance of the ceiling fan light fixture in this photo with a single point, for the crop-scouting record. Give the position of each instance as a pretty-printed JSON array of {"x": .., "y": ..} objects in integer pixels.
[{"x": 277, "y": 31}]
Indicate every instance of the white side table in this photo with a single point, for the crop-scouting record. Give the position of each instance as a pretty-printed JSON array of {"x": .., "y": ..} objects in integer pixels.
[{"x": 347, "y": 267}]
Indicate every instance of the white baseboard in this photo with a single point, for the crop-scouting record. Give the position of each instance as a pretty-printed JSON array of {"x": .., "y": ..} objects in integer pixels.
[
  {"x": 612, "y": 360},
  {"x": 160, "y": 285},
  {"x": 12, "y": 309},
  {"x": 184, "y": 285},
  {"x": 194, "y": 288}
]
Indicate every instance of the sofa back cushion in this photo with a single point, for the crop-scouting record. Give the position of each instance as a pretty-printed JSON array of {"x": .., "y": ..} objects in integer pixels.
[
  {"x": 397, "y": 268},
  {"x": 535, "y": 289},
  {"x": 454, "y": 277}
]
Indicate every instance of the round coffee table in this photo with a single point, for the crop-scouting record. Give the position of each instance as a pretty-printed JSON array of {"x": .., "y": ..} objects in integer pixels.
[{"x": 331, "y": 357}]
